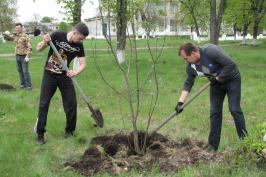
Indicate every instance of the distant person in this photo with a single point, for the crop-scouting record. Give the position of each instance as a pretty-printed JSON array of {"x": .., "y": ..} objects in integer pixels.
[
  {"x": 23, "y": 51},
  {"x": 212, "y": 62},
  {"x": 69, "y": 46}
]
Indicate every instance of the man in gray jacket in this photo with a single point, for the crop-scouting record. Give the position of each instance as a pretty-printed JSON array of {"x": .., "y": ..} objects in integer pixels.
[{"x": 212, "y": 62}]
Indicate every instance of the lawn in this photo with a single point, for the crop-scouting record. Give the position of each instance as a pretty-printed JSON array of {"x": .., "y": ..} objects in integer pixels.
[{"x": 20, "y": 156}]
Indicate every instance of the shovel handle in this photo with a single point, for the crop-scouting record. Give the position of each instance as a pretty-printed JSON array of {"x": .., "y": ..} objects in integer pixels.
[
  {"x": 183, "y": 106},
  {"x": 72, "y": 78}
]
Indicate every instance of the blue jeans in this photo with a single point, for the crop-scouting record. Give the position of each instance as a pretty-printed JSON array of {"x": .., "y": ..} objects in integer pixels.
[
  {"x": 23, "y": 70},
  {"x": 232, "y": 89}
]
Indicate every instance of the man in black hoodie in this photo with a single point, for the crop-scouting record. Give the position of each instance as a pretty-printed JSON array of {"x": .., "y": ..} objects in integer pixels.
[{"x": 212, "y": 62}]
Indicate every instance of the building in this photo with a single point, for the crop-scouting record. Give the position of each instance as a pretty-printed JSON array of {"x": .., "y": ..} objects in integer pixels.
[{"x": 167, "y": 25}]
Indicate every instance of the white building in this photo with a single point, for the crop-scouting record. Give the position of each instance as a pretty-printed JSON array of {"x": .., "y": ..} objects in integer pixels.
[{"x": 165, "y": 25}]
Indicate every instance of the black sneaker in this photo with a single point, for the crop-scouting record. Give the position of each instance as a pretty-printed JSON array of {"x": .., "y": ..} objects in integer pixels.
[
  {"x": 40, "y": 139},
  {"x": 210, "y": 149},
  {"x": 69, "y": 134}
]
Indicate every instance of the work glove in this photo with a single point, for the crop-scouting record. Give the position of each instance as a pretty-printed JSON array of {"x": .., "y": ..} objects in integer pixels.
[
  {"x": 212, "y": 78},
  {"x": 178, "y": 107},
  {"x": 27, "y": 59}
]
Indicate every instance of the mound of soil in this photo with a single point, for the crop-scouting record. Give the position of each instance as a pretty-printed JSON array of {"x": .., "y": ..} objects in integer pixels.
[
  {"x": 115, "y": 154},
  {"x": 6, "y": 87}
]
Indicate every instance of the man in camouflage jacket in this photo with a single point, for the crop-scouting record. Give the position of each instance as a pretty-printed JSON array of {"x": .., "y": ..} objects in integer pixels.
[{"x": 23, "y": 51}]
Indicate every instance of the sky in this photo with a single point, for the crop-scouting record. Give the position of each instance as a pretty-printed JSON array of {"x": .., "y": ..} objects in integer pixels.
[{"x": 27, "y": 9}]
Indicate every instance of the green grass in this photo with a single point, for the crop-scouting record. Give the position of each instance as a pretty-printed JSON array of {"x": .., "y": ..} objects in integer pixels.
[{"x": 20, "y": 156}]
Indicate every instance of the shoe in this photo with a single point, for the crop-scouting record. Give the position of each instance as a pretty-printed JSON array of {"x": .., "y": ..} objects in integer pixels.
[
  {"x": 40, "y": 139},
  {"x": 29, "y": 88},
  {"x": 35, "y": 129},
  {"x": 210, "y": 149},
  {"x": 68, "y": 135}
]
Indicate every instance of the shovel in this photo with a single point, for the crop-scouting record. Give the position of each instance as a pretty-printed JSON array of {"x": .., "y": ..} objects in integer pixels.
[
  {"x": 183, "y": 106},
  {"x": 95, "y": 113}
]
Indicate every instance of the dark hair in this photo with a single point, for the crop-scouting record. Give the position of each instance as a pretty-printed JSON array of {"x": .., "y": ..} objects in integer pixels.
[
  {"x": 18, "y": 24},
  {"x": 82, "y": 28},
  {"x": 188, "y": 48}
]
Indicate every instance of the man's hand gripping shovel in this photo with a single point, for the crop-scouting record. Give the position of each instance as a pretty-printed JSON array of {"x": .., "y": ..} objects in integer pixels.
[{"x": 182, "y": 107}]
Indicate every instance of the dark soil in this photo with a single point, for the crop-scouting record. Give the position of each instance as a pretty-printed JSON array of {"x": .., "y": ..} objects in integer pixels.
[
  {"x": 115, "y": 154},
  {"x": 6, "y": 87}
]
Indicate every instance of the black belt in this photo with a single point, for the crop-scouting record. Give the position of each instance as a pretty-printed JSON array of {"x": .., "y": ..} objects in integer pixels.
[
  {"x": 50, "y": 72},
  {"x": 21, "y": 55}
]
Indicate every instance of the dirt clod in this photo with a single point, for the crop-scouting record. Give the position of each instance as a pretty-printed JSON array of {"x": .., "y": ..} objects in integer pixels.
[
  {"x": 114, "y": 154},
  {"x": 6, "y": 87}
]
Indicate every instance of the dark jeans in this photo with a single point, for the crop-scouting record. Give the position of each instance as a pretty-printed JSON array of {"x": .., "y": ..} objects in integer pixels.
[
  {"x": 23, "y": 70},
  {"x": 50, "y": 83},
  {"x": 232, "y": 89}
]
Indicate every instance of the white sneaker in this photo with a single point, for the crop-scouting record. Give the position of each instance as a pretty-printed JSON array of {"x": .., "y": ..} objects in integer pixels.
[
  {"x": 264, "y": 138},
  {"x": 35, "y": 126}
]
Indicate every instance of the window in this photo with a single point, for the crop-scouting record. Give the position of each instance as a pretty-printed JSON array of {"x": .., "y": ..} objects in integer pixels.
[
  {"x": 173, "y": 25},
  {"x": 161, "y": 25},
  {"x": 173, "y": 7}
]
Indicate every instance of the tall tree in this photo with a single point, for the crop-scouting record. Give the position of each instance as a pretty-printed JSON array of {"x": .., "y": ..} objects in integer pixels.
[
  {"x": 63, "y": 26},
  {"x": 238, "y": 15},
  {"x": 133, "y": 84},
  {"x": 216, "y": 13},
  {"x": 72, "y": 10},
  {"x": 194, "y": 10},
  {"x": 258, "y": 8},
  {"x": 7, "y": 14},
  {"x": 47, "y": 19},
  {"x": 121, "y": 25},
  {"x": 246, "y": 20}
]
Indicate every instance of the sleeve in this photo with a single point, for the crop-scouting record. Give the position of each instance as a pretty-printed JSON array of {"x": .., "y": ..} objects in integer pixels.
[
  {"x": 53, "y": 36},
  {"x": 81, "y": 52},
  {"x": 220, "y": 57},
  {"x": 8, "y": 37},
  {"x": 29, "y": 46},
  {"x": 189, "y": 82}
]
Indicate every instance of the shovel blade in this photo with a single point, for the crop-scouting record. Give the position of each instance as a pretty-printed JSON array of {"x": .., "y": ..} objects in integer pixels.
[{"x": 98, "y": 117}]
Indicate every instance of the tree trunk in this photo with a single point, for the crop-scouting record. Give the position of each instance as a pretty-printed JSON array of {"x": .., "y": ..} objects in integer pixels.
[
  {"x": 216, "y": 20},
  {"x": 196, "y": 25},
  {"x": 121, "y": 26},
  {"x": 255, "y": 32},
  {"x": 245, "y": 30},
  {"x": 191, "y": 9},
  {"x": 77, "y": 12},
  {"x": 245, "y": 25}
]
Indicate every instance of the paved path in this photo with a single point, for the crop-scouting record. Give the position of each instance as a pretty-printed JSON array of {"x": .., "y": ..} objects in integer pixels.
[{"x": 11, "y": 56}]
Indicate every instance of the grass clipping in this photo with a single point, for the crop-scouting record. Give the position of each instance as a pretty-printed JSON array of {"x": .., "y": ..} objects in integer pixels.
[{"x": 114, "y": 154}]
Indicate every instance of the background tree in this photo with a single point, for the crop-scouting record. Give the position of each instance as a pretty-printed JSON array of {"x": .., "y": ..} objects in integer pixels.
[
  {"x": 258, "y": 8},
  {"x": 151, "y": 12},
  {"x": 233, "y": 18},
  {"x": 7, "y": 14},
  {"x": 47, "y": 19},
  {"x": 72, "y": 10},
  {"x": 246, "y": 19},
  {"x": 121, "y": 25},
  {"x": 194, "y": 13},
  {"x": 63, "y": 26},
  {"x": 216, "y": 13}
]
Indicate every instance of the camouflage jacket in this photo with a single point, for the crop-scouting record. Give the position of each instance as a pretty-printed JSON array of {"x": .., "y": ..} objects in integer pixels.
[{"x": 22, "y": 44}]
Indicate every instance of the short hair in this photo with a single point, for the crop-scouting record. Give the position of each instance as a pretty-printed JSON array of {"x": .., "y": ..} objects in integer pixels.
[
  {"x": 82, "y": 28},
  {"x": 188, "y": 48},
  {"x": 18, "y": 24}
]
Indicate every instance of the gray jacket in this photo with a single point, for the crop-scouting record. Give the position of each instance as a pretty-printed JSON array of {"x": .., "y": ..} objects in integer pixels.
[{"x": 213, "y": 62}]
